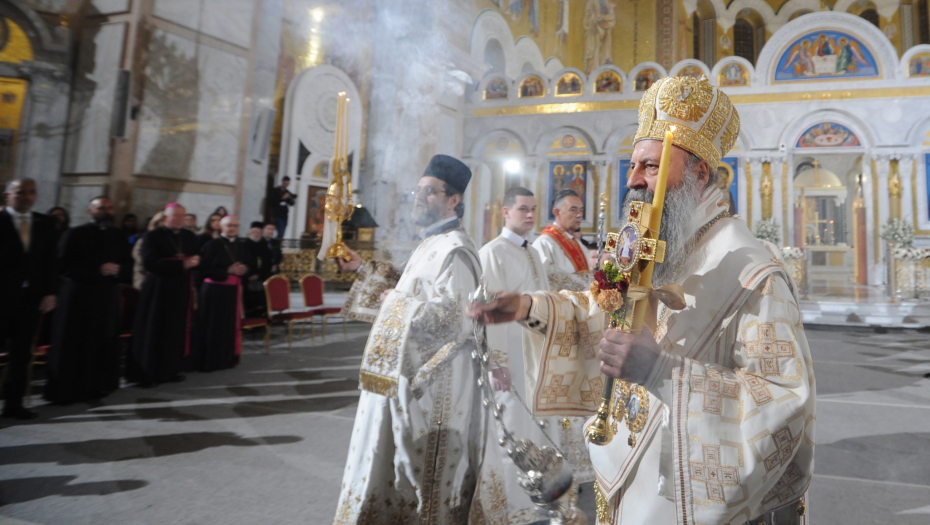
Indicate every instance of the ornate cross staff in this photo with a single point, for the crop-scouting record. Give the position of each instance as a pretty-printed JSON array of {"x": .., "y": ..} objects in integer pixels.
[{"x": 636, "y": 248}]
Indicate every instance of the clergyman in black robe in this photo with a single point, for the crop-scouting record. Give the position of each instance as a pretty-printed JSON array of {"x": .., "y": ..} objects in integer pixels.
[
  {"x": 161, "y": 335},
  {"x": 226, "y": 260},
  {"x": 83, "y": 362},
  {"x": 254, "y": 289}
]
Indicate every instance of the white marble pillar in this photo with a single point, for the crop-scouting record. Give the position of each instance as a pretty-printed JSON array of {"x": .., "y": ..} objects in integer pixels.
[
  {"x": 755, "y": 173},
  {"x": 789, "y": 220},
  {"x": 876, "y": 276},
  {"x": 777, "y": 164},
  {"x": 470, "y": 220},
  {"x": 882, "y": 170},
  {"x": 905, "y": 173}
]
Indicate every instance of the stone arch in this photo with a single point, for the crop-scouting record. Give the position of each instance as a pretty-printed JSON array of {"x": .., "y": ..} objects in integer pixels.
[
  {"x": 477, "y": 147},
  {"x": 491, "y": 25},
  {"x": 494, "y": 56},
  {"x": 724, "y": 62},
  {"x": 793, "y": 131},
  {"x": 615, "y": 140},
  {"x": 885, "y": 55}
]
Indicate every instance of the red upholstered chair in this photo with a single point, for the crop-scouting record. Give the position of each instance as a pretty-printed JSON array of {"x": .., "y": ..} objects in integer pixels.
[
  {"x": 277, "y": 294},
  {"x": 40, "y": 346},
  {"x": 311, "y": 287},
  {"x": 249, "y": 323}
]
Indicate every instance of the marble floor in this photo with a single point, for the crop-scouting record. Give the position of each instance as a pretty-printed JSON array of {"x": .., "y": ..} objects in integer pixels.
[{"x": 266, "y": 442}]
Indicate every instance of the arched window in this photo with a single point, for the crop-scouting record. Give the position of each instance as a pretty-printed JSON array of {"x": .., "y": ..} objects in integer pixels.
[
  {"x": 748, "y": 35},
  {"x": 704, "y": 23},
  {"x": 871, "y": 15},
  {"x": 494, "y": 56},
  {"x": 744, "y": 40},
  {"x": 923, "y": 20}
]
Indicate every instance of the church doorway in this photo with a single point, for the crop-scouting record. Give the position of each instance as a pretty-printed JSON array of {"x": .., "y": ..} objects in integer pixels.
[{"x": 829, "y": 220}]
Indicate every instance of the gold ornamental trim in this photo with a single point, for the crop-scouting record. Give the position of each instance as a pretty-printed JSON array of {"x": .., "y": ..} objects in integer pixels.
[
  {"x": 756, "y": 98},
  {"x": 378, "y": 384}
]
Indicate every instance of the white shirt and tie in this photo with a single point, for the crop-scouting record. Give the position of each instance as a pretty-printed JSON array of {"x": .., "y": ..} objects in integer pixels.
[{"x": 23, "y": 224}]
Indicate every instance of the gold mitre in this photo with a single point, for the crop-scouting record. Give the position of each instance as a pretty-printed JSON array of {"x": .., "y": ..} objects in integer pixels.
[{"x": 706, "y": 122}]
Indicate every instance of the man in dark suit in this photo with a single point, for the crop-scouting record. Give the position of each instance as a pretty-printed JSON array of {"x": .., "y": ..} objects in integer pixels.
[
  {"x": 278, "y": 203},
  {"x": 28, "y": 285},
  {"x": 274, "y": 245}
]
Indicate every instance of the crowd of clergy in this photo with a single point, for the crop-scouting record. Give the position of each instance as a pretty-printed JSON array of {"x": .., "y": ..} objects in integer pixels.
[{"x": 172, "y": 293}]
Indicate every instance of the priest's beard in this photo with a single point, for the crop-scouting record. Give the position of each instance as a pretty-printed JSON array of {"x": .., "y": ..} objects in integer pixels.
[
  {"x": 680, "y": 203},
  {"x": 426, "y": 212}
]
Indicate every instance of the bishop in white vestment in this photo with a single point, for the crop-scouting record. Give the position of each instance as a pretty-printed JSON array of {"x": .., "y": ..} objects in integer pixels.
[
  {"x": 728, "y": 435},
  {"x": 416, "y": 444},
  {"x": 511, "y": 264},
  {"x": 566, "y": 260}
]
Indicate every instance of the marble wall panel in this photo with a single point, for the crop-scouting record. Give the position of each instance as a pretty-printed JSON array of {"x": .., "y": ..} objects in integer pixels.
[
  {"x": 146, "y": 202},
  {"x": 264, "y": 79},
  {"x": 106, "y": 7},
  {"x": 221, "y": 91},
  {"x": 170, "y": 106},
  {"x": 181, "y": 12},
  {"x": 75, "y": 200},
  {"x": 87, "y": 148},
  {"x": 229, "y": 20}
]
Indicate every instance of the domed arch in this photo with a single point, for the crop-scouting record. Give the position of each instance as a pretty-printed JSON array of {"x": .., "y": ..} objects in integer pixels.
[
  {"x": 480, "y": 145},
  {"x": 490, "y": 26},
  {"x": 795, "y": 130}
]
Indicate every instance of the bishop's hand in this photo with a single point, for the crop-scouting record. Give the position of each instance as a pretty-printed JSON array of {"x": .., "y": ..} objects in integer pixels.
[
  {"x": 191, "y": 262},
  {"x": 506, "y": 307},
  {"x": 628, "y": 357},
  {"x": 353, "y": 264}
]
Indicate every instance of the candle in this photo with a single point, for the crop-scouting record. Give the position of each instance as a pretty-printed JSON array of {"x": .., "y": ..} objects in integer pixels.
[{"x": 658, "y": 199}]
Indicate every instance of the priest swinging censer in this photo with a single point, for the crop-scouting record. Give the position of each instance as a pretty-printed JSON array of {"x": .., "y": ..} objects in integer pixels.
[{"x": 545, "y": 475}]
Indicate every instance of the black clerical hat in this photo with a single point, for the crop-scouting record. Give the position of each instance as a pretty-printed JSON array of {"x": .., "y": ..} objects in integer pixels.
[
  {"x": 257, "y": 224},
  {"x": 450, "y": 170}
]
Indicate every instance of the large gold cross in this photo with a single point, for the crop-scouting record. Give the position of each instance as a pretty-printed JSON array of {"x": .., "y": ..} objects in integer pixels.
[
  {"x": 632, "y": 244},
  {"x": 714, "y": 475}
]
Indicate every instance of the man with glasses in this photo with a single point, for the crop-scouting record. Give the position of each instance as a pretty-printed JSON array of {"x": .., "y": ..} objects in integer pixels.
[
  {"x": 565, "y": 259},
  {"x": 415, "y": 446}
]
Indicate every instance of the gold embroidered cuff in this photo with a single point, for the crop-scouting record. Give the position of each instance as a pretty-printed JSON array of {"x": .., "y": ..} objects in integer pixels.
[{"x": 500, "y": 358}]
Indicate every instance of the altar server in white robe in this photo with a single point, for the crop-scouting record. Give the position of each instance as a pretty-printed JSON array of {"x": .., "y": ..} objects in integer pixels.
[
  {"x": 728, "y": 406},
  {"x": 566, "y": 260},
  {"x": 511, "y": 264},
  {"x": 419, "y": 430}
]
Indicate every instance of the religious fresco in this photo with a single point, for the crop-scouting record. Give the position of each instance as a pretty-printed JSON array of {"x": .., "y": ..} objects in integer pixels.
[
  {"x": 532, "y": 87},
  {"x": 569, "y": 84},
  {"x": 316, "y": 210},
  {"x": 826, "y": 55},
  {"x": 645, "y": 78},
  {"x": 608, "y": 82},
  {"x": 733, "y": 75},
  {"x": 623, "y": 173},
  {"x": 728, "y": 182},
  {"x": 919, "y": 65},
  {"x": 567, "y": 175},
  {"x": 828, "y": 135},
  {"x": 496, "y": 89},
  {"x": 691, "y": 71}
]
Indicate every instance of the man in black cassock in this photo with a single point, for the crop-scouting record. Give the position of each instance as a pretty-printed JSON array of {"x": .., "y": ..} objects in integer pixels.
[
  {"x": 83, "y": 362},
  {"x": 253, "y": 288},
  {"x": 164, "y": 316},
  {"x": 274, "y": 245},
  {"x": 28, "y": 285},
  {"x": 226, "y": 260}
]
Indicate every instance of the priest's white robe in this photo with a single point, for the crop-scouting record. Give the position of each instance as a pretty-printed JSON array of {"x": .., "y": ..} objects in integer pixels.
[
  {"x": 730, "y": 430},
  {"x": 499, "y": 499},
  {"x": 559, "y": 268},
  {"x": 416, "y": 443}
]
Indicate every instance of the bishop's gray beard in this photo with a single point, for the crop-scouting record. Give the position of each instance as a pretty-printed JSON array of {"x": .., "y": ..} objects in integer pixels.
[{"x": 676, "y": 230}]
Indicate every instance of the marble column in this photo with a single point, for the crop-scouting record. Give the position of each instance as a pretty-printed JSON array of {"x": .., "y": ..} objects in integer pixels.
[
  {"x": 753, "y": 196},
  {"x": 905, "y": 174},
  {"x": 789, "y": 195},
  {"x": 875, "y": 269},
  {"x": 602, "y": 165},
  {"x": 778, "y": 197}
]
